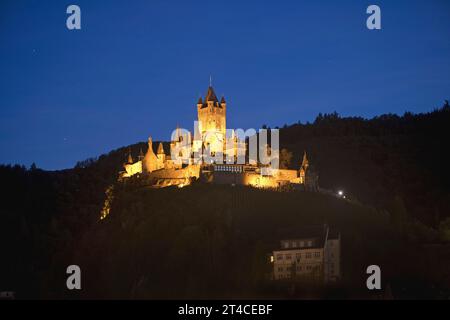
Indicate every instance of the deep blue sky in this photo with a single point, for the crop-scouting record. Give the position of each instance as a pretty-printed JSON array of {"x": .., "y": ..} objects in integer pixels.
[{"x": 137, "y": 68}]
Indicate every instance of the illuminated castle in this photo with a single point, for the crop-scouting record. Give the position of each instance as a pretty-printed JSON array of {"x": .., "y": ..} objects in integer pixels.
[{"x": 213, "y": 154}]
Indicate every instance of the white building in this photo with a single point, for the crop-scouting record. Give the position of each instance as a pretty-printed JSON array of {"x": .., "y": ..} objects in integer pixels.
[{"x": 312, "y": 255}]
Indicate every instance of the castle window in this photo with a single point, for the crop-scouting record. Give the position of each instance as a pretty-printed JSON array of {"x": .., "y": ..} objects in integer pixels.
[
  {"x": 308, "y": 255},
  {"x": 317, "y": 254},
  {"x": 288, "y": 257},
  {"x": 280, "y": 269},
  {"x": 302, "y": 244},
  {"x": 279, "y": 257},
  {"x": 310, "y": 243}
]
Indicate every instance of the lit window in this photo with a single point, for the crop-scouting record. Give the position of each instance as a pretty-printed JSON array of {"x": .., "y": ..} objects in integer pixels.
[
  {"x": 294, "y": 244},
  {"x": 286, "y": 244},
  {"x": 288, "y": 257}
]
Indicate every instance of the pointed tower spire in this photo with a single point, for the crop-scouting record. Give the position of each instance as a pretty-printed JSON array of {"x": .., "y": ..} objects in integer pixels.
[
  {"x": 150, "y": 143},
  {"x": 305, "y": 162},
  {"x": 160, "y": 149},
  {"x": 211, "y": 95},
  {"x": 130, "y": 158},
  {"x": 141, "y": 154}
]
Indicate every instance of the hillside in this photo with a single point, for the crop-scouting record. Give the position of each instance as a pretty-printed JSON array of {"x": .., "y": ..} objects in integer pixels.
[
  {"x": 207, "y": 241},
  {"x": 382, "y": 158},
  {"x": 395, "y": 166}
]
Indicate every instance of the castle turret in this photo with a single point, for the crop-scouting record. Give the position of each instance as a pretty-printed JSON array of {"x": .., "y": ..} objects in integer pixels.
[
  {"x": 161, "y": 156},
  {"x": 141, "y": 155},
  {"x": 130, "y": 158},
  {"x": 304, "y": 168},
  {"x": 305, "y": 162},
  {"x": 149, "y": 163},
  {"x": 160, "y": 149}
]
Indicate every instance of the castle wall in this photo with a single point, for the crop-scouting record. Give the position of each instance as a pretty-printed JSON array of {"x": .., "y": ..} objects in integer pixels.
[
  {"x": 191, "y": 171},
  {"x": 132, "y": 169}
]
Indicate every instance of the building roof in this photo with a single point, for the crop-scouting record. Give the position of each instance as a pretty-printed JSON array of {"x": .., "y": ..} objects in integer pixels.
[
  {"x": 211, "y": 95},
  {"x": 317, "y": 234}
]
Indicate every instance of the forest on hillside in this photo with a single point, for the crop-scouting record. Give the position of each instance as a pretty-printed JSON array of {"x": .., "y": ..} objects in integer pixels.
[
  {"x": 393, "y": 169},
  {"x": 378, "y": 160}
]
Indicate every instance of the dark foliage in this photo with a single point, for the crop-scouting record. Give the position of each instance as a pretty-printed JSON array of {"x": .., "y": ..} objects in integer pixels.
[{"x": 376, "y": 160}]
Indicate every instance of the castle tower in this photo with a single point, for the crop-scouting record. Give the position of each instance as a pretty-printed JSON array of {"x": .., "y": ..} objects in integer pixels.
[
  {"x": 149, "y": 163},
  {"x": 160, "y": 149},
  {"x": 161, "y": 156},
  {"x": 304, "y": 168},
  {"x": 141, "y": 155},
  {"x": 212, "y": 120},
  {"x": 130, "y": 158},
  {"x": 305, "y": 162}
]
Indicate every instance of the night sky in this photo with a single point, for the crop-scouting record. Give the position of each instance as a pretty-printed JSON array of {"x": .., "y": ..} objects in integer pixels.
[{"x": 137, "y": 68}]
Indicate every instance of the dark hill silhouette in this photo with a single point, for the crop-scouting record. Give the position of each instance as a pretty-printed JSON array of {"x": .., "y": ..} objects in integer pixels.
[
  {"x": 382, "y": 158},
  {"x": 396, "y": 164}
]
